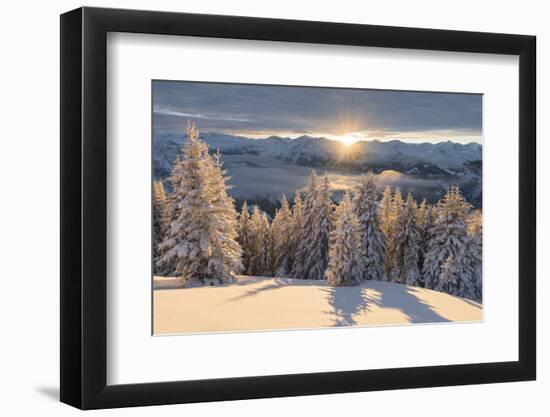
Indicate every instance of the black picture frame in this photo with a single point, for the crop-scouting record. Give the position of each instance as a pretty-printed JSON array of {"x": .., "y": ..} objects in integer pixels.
[{"x": 84, "y": 207}]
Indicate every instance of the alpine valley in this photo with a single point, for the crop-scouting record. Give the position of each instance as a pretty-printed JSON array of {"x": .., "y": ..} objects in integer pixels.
[{"x": 261, "y": 170}]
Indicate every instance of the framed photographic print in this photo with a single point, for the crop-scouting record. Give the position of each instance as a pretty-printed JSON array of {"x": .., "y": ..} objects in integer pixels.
[{"x": 257, "y": 208}]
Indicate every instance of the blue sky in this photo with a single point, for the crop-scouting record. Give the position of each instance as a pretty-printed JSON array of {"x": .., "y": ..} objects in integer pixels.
[{"x": 341, "y": 114}]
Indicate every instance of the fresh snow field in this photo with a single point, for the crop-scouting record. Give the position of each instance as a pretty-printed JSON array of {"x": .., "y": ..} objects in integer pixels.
[{"x": 255, "y": 303}]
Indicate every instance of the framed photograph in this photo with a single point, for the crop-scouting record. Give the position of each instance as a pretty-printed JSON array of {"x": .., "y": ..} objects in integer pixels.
[{"x": 257, "y": 208}]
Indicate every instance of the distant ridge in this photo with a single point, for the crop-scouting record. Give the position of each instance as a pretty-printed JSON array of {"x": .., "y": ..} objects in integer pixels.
[{"x": 450, "y": 162}]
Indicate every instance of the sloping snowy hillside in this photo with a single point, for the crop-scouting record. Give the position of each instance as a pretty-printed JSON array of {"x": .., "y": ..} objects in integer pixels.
[{"x": 254, "y": 303}]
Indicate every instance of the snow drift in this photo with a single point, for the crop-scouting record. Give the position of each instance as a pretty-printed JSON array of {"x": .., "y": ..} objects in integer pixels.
[{"x": 255, "y": 303}]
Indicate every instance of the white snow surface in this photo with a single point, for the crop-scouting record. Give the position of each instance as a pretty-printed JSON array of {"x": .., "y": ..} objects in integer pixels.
[{"x": 267, "y": 303}]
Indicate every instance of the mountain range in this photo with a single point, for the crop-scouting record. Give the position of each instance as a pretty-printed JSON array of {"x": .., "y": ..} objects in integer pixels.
[{"x": 266, "y": 168}]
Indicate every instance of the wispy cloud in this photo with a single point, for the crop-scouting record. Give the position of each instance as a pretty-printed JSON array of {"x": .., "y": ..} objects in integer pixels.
[
  {"x": 264, "y": 110},
  {"x": 168, "y": 112}
]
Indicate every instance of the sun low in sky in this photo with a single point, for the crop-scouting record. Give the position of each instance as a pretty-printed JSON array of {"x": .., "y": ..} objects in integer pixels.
[{"x": 345, "y": 115}]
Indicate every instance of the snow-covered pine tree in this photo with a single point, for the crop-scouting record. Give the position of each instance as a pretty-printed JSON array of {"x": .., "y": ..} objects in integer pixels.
[
  {"x": 281, "y": 232},
  {"x": 394, "y": 271},
  {"x": 387, "y": 229},
  {"x": 312, "y": 254},
  {"x": 199, "y": 216},
  {"x": 385, "y": 212},
  {"x": 474, "y": 254},
  {"x": 424, "y": 221},
  {"x": 394, "y": 250},
  {"x": 475, "y": 223},
  {"x": 398, "y": 205},
  {"x": 257, "y": 265},
  {"x": 448, "y": 277},
  {"x": 267, "y": 239},
  {"x": 471, "y": 285},
  {"x": 295, "y": 230},
  {"x": 365, "y": 206},
  {"x": 244, "y": 235},
  {"x": 186, "y": 245},
  {"x": 410, "y": 242},
  {"x": 226, "y": 253},
  {"x": 346, "y": 263},
  {"x": 449, "y": 237},
  {"x": 160, "y": 221}
]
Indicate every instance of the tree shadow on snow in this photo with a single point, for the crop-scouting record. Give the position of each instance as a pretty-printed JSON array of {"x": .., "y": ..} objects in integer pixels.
[
  {"x": 402, "y": 297},
  {"x": 347, "y": 302},
  {"x": 270, "y": 284},
  {"x": 255, "y": 291},
  {"x": 472, "y": 303}
]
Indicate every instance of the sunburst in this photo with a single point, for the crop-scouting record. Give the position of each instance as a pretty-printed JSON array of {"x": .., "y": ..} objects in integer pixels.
[
  {"x": 347, "y": 139},
  {"x": 349, "y": 124}
]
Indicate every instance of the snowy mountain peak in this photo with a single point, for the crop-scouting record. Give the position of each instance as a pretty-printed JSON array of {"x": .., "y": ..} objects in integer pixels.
[{"x": 449, "y": 162}]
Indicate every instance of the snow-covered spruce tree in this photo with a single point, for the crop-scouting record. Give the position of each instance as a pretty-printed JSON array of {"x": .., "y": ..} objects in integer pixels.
[
  {"x": 410, "y": 242},
  {"x": 312, "y": 253},
  {"x": 201, "y": 217},
  {"x": 346, "y": 263},
  {"x": 226, "y": 253},
  {"x": 295, "y": 230},
  {"x": 471, "y": 286},
  {"x": 257, "y": 265},
  {"x": 365, "y": 206},
  {"x": 394, "y": 250},
  {"x": 475, "y": 223},
  {"x": 166, "y": 265},
  {"x": 244, "y": 235},
  {"x": 424, "y": 222},
  {"x": 394, "y": 271},
  {"x": 160, "y": 221},
  {"x": 183, "y": 251},
  {"x": 474, "y": 254},
  {"x": 281, "y": 232},
  {"x": 448, "y": 277},
  {"x": 387, "y": 228},
  {"x": 268, "y": 245},
  {"x": 449, "y": 237},
  {"x": 398, "y": 205}
]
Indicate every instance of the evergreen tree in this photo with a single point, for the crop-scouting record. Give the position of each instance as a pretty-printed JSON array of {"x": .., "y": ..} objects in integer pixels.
[
  {"x": 345, "y": 266},
  {"x": 312, "y": 253},
  {"x": 394, "y": 271},
  {"x": 387, "y": 229},
  {"x": 475, "y": 223},
  {"x": 226, "y": 253},
  {"x": 258, "y": 257},
  {"x": 185, "y": 248},
  {"x": 395, "y": 248},
  {"x": 295, "y": 230},
  {"x": 448, "y": 277},
  {"x": 372, "y": 242},
  {"x": 398, "y": 206},
  {"x": 409, "y": 240},
  {"x": 424, "y": 222},
  {"x": 449, "y": 238},
  {"x": 282, "y": 228},
  {"x": 474, "y": 255},
  {"x": 200, "y": 241},
  {"x": 160, "y": 221},
  {"x": 471, "y": 284},
  {"x": 267, "y": 240},
  {"x": 244, "y": 235}
]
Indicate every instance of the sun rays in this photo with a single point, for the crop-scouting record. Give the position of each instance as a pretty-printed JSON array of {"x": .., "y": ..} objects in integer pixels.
[
  {"x": 347, "y": 139},
  {"x": 349, "y": 126}
]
